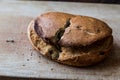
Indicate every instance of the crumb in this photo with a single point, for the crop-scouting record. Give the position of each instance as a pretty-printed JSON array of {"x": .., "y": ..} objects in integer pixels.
[
  {"x": 31, "y": 53},
  {"x": 23, "y": 65},
  {"x": 21, "y": 32},
  {"x": 23, "y": 54},
  {"x": 27, "y": 59},
  {"x": 39, "y": 62},
  {"x": 30, "y": 49},
  {"x": 51, "y": 69},
  {"x": 39, "y": 56},
  {"x": 12, "y": 41}
]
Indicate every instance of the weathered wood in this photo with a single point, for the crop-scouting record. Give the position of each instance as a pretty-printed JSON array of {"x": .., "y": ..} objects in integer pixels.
[{"x": 18, "y": 58}]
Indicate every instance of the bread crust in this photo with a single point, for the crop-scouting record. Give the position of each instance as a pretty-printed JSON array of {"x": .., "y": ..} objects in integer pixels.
[
  {"x": 81, "y": 31},
  {"x": 69, "y": 56},
  {"x": 48, "y": 24}
]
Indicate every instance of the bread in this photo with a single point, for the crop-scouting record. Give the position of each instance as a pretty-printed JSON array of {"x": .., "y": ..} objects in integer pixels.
[{"x": 71, "y": 39}]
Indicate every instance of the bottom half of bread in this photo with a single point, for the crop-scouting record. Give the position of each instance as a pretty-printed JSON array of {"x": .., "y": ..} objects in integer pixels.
[{"x": 74, "y": 56}]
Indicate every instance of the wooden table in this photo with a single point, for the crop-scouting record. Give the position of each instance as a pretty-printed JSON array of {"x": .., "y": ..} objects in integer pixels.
[{"x": 19, "y": 59}]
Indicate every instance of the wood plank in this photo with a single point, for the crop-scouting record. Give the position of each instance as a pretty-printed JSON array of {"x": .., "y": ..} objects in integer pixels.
[{"x": 19, "y": 59}]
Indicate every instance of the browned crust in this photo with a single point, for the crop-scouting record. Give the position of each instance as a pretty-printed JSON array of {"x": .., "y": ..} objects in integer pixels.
[
  {"x": 83, "y": 59},
  {"x": 84, "y": 31},
  {"x": 81, "y": 31},
  {"x": 49, "y": 23}
]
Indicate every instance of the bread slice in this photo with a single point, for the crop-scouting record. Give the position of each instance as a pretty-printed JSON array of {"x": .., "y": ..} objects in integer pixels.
[{"x": 74, "y": 56}]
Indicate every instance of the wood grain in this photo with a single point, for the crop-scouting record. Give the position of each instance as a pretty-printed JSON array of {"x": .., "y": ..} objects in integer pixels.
[{"x": 19, "y": 59}]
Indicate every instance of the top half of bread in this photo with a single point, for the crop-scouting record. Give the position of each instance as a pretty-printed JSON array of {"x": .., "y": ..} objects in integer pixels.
[{"x": 76, "y": 30}]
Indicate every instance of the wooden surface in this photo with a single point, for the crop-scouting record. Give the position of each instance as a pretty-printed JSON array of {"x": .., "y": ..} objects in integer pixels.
[{"x": 19, "y": 59}]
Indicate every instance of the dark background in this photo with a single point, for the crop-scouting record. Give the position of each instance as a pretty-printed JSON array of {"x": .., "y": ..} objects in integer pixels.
[{"x": 90, "y": 1}]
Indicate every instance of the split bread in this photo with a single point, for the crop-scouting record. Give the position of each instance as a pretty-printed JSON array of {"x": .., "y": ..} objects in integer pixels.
[{"x": 70, "y": 39}]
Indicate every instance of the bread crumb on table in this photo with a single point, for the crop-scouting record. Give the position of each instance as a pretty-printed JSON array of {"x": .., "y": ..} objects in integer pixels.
[
  {"x": 12, "y": 41},
  {"x": 51, "y": 69}
]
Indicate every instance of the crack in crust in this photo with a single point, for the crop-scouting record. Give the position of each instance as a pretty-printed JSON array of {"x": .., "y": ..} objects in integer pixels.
[{"x": 54, "y": 41}]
